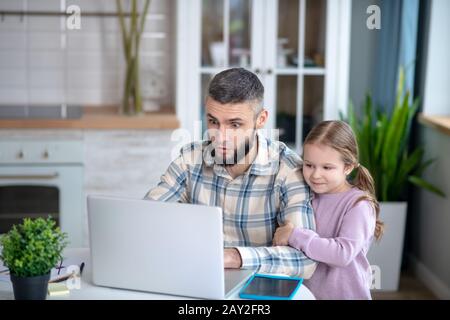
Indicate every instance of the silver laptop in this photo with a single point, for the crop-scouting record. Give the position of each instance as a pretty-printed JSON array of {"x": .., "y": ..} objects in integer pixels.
[{"x": 162, "y": 247}]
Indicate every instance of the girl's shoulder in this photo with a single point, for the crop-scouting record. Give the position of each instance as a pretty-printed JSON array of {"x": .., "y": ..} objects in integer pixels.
[
  {"x": 360, "y": 201},
  {"x": 348, "y": 199},
  {"x": 357, "y": 196},
  {"x": 348, "y": 195}
]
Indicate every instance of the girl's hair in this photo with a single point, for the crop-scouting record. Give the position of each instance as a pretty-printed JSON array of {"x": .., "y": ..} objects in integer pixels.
[{"x": 339, "y": 136}]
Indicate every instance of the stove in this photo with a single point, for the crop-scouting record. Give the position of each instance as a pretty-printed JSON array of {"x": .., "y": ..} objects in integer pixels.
[{"x": 41, "y": 178}]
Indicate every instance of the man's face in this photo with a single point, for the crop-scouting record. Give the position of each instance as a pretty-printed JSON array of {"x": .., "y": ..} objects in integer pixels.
[{"x": 231, "y": 128}]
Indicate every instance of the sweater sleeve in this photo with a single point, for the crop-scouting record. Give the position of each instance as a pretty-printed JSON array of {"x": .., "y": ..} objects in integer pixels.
[{"x": 357, "y": 228}]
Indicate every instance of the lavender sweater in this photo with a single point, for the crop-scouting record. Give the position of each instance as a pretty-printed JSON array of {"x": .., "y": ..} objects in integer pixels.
[{"x": 343, "y": 236}]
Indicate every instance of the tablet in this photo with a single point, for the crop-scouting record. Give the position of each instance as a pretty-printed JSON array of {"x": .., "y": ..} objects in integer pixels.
[{"x": 270, "y": 287}]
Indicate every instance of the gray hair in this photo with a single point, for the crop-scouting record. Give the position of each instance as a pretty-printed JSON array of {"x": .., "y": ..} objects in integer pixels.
[{"x": 237, "y": 85}]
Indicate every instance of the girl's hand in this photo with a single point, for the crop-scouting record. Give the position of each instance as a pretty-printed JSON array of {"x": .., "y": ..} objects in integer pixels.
[{"x": 282, "y": 234}]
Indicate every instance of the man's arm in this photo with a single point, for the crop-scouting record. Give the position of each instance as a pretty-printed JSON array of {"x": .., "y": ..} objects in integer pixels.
[
  {"x": 173, "y": 184},
  {"x": 295, "y": 207}
]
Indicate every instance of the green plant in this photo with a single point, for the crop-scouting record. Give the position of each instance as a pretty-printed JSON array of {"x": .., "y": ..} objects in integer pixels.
[
  {"x": 131, "y": 39},
  {"x": 32, "y": 248},
  {"x": 383, "y": 141}
]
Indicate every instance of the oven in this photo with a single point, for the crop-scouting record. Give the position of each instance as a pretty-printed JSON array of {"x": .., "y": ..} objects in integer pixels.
[{"x": 40, "y": 179}]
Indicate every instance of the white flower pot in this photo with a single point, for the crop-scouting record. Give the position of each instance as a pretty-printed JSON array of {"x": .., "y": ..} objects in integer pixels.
[{"x": 386, "y": 255}]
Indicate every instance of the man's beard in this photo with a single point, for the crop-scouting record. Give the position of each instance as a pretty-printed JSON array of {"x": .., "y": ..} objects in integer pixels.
[{"x": 238, "y": 155}]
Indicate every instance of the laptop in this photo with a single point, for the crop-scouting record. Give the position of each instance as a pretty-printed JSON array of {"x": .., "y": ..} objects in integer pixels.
[{"x": 161, "y": 247}]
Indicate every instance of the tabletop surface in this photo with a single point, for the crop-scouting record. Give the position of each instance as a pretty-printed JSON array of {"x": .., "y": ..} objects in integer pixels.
[{"x": 88, "y": 291}]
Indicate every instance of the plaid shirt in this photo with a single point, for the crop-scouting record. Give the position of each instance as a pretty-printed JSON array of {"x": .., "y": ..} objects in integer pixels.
[{"x": 271, "y": 192}]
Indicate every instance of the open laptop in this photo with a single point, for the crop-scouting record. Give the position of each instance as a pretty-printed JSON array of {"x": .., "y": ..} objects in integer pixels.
[{"x": 162, "y": 247}]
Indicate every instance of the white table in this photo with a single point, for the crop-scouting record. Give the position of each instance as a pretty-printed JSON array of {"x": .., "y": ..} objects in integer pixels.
[{"x": 89, "y": 291}]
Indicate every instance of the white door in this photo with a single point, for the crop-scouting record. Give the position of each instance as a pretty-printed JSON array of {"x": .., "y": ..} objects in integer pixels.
[{"x": 298, "y": 48}]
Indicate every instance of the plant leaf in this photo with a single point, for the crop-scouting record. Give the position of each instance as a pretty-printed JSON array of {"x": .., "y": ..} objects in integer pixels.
[{"x": 426, "y": 185}]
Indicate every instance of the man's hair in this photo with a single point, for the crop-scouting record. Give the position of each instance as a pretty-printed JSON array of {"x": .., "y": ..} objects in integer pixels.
[{"x": 237, "y": 85}]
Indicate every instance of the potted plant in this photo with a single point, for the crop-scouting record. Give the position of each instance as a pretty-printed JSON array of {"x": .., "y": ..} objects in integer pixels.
[
  {"x": 30, "y": 251},
  {"x": 383, "y": 140}
]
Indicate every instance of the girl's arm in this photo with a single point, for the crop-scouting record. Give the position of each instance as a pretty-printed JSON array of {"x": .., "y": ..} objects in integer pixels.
[{"x": 357, "y": 228}]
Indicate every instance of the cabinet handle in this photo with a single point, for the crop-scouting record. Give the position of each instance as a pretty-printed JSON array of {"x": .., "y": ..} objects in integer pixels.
[
  {"x": 29, "y": 176},
  {"x": 257, "y": 71},
  {"x": 20, "y": 155},
  {"x": 269, "y": 71}
]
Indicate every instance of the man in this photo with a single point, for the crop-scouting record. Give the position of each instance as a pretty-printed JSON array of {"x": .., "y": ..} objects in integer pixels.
[{"x": 257, "y": 182}]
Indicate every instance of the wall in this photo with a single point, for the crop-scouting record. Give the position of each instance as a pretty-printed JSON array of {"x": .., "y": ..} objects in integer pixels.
[
  {"x": 429, "y": 237},
  {"x": 437, "y": 95},
  {"x": 362, "y": 53},
  {"x": 42, "y": 62},
  {"x": 429, "y": 218}
]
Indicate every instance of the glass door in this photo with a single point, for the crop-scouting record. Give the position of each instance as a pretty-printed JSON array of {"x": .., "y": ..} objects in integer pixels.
[
  {"x": 283, "y": 42},
  {"x": 314, "y": 69},
  {"x": 226, "y": 40},
  {"x": 296, "y": 67},
  {"x": 225, "y": 34}
]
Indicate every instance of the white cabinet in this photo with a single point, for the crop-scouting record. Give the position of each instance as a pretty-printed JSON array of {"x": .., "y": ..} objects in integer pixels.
[
  {"x": 68, "y": 165},
  {"x": 298, "y": 48}
]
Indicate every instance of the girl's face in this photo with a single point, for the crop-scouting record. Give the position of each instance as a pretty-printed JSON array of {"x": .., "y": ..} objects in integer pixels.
[{"x": 324, "y": 170}]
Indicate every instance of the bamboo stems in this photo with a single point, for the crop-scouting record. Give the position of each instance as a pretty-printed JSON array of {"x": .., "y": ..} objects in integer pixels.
[{"x": 131, "y": 39}]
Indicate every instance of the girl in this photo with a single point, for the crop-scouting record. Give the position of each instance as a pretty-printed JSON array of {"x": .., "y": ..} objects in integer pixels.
[{"x": 346, "y": 215}]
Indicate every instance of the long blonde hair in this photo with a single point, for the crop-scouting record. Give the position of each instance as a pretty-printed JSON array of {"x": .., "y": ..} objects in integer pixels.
[{"x": 339, "y": 136}]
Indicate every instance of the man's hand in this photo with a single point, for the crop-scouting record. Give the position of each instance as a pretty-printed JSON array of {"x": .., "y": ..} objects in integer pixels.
[
  {"x": 232, "y": 258},
  {"x": 282, "y": 234}
]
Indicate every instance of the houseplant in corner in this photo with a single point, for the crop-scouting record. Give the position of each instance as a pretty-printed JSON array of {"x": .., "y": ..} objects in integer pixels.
[
  {"x": 383, "y": 140},
  {"x": 30, "y": 251}
]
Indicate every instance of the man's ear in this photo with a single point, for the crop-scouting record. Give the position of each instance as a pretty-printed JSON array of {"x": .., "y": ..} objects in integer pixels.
[{"x": 261, "y": 119}]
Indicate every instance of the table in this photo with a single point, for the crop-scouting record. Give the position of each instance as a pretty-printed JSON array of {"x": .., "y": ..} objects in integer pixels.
[{"x": 89, "y": 291}]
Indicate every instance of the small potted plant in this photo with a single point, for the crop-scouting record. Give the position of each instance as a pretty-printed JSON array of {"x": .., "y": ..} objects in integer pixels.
[{"x": 30, "y": 251}]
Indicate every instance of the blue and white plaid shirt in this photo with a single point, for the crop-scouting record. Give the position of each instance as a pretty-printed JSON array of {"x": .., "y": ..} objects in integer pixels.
[{"x": 271, "y": 192}]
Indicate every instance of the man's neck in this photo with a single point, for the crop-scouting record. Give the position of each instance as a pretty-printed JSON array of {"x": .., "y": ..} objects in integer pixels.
[{"x": 239, "y": 169}]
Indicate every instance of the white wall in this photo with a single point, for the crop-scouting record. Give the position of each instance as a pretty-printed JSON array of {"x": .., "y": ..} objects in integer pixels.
[
  {"x": 437, "y": 93},
  {"x": 42, "y": 62}
]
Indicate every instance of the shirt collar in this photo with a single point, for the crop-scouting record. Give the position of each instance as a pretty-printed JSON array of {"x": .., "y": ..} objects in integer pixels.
[{"x": 267, "y": 161}]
